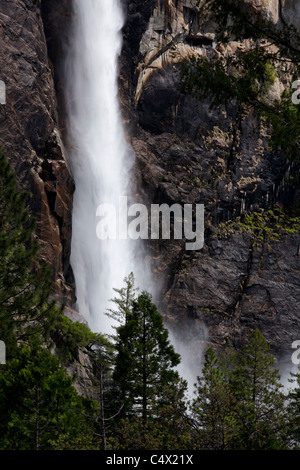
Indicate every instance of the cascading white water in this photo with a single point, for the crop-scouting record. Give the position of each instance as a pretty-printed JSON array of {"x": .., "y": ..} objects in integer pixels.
[
  {"x": 101, "y": 161},
  {"x": 100, "y": 158}
]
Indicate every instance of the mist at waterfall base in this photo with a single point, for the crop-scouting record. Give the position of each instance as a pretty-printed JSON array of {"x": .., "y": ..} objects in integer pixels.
[{"x": 101, "y": 159}]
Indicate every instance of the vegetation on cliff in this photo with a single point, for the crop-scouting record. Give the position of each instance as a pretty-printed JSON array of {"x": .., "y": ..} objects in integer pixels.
[{"x": 267, "y": 53}]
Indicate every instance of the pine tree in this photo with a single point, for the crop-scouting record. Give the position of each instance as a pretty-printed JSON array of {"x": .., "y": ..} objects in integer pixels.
[
  {"x": 39, "y": 404},
  {"x": 213, "y": 415},
  {"x": 145, "y": 358},
  {"x": 124, "y": 301},
  {"x": 145, "y": 376},
  {"x": 293, "y": 410},
  {"x": 259, "y": 408},
  {"x": 239, "y": 404},
  {"x": 25, "y": 282}
]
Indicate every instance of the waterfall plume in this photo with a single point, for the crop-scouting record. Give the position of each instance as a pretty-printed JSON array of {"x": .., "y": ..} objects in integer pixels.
[{"x": 100, "y": 158}]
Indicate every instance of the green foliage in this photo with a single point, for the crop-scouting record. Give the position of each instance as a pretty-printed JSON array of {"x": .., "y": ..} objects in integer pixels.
[
  {"x": 145, "y": 358},
  {"x": 25, "y": 282},
  {"x": 260, "y": 400},
  {"x": 83, "y": 441},
  {"x": 102, "y": 356},
  {"x": 38, "y": 402},
  {"x": 71, "y": 336},
  {"x": 123, "y": 301},
  {"x": 245, "y": 78},
  {"x": 167, "y": 427},
  {"x": 149, "y": 392},
  {"x": 239, "y": 403},
  {"x": 265, "y": 226},
  {"x": 133, "y": 434},
  {"x": 293, "y": 408},
  {"x": 214, "y": 422}
]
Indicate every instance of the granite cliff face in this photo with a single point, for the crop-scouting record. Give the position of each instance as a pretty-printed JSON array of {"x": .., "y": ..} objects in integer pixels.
[
  {"x": 185, "y": 153},
  {"x": 30, "y": 134}
]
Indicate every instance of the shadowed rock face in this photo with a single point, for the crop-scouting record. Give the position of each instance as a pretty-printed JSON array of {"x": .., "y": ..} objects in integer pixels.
[
  {"x": 290, "y": 12},
  {"x": 188, "y": 153},
  {"x": 30, "y": 135},
  {"x": 185, "y": 153}
]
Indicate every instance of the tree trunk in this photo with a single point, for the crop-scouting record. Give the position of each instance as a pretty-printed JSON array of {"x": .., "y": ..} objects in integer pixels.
[
  {"x": 144, "y": 373},
  {"x": 102, "y": 409},
  {"x": 37, "y": 418}
]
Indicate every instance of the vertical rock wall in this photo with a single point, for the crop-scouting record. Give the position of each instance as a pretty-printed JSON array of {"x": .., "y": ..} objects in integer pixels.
[
  {"x": 30, "y": 135},
  {"x": 188, "y": 153}
]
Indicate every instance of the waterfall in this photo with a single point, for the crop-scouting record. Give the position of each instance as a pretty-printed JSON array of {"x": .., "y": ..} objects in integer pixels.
[{"x": 100, "y": 157}]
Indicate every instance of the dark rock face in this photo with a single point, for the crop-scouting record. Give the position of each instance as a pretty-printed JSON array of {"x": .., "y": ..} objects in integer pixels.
[
  {"x": 57, "y": 22},
  {"x": 137, "y": 16},
  {"x": 30, "y": 135},
  {"x": 188, "y": 153}
]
